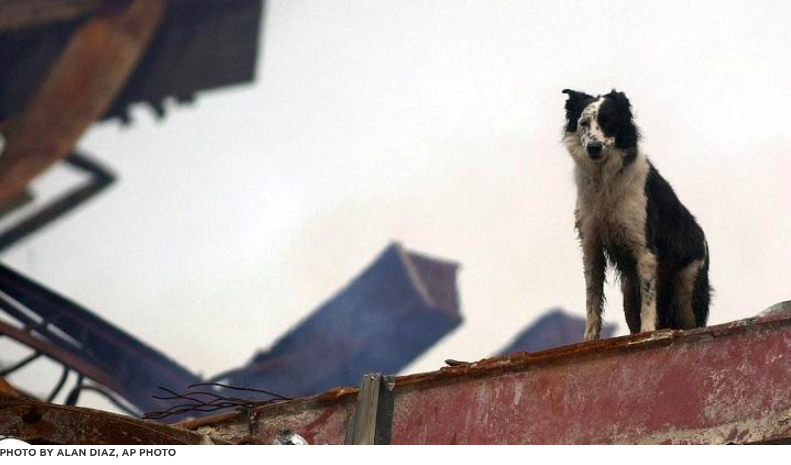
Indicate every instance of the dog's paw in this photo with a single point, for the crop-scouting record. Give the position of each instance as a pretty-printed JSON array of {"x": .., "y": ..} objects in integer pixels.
[
  {"x": 647, "y": 328},
  {"x": 591, "y": 334}
]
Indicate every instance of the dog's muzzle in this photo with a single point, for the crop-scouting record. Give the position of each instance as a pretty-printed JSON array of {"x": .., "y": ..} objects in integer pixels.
[{"x": 594, "y": 151}]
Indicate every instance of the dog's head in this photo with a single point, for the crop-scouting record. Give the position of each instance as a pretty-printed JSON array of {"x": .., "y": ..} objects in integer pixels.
[{"x": 599, "y": 125}]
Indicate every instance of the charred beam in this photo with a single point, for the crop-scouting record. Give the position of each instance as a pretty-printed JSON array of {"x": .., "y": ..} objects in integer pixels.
[
  {"x": 60, "y": 355},
  {"x": 80, "y": 86},
  {"x": 99, "y": 179},
  {"x": 75, "y": 337}
]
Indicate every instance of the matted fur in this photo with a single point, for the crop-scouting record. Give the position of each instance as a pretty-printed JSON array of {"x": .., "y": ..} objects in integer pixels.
[{"x": 628, "y": 215}]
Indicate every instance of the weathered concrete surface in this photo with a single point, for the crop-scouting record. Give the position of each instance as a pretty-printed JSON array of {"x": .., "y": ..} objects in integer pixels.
[{"x": 726, "y": 383}]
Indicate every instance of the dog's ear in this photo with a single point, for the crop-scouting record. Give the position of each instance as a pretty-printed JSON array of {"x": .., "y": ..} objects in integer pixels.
[
  {"x": 575, "y": 97},
  {"x": 574, "y": 107},
  {"x": 628, "y": 134},
  {"x": 620, "y": 100}
]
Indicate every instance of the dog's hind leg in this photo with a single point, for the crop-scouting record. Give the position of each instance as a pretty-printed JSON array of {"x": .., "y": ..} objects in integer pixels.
[
  {"x": 685, "y": 284},
  {"x": 630, "y": 288},
  {"x": 595, "y": 264}
]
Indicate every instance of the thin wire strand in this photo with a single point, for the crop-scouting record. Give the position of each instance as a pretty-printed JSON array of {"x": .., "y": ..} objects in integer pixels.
[
  {"x": 217, "y": 402},
  {"x": 240, "y": 389}
]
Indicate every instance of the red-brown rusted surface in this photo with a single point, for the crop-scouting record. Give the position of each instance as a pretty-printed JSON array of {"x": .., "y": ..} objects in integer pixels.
[
  {"x": 6, "y": 389},
  {"x": 726, "y": 383},
  {"x": 41, "y": 423}
]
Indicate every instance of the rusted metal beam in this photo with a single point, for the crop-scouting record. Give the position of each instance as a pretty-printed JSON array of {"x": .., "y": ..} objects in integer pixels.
[
  {"x": 79, "y": 339},
  {"x": 60, "y": 355},
  {"x": 79, "y": 88},
  {"x": 18, "y": 14},
  {"x": 17, "y": 202},
  {"x": 373, "y": 416},
  {"x": 7, "y": 390},
  {"x": 717, "y": 385},
  {"x": 99, "y": 178},
  {"x": 363, "y": 426},
  {"x": 38, "y": 422}
]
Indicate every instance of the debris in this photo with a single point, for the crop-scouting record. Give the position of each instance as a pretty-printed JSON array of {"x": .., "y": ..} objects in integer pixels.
[
  {"x": 397, "y": 308},
  {"x": 80, "y": 341},
  {"x": 289, "y": 438},
  {"x": 455, "y": 363},
  {"x": 39, "y": 422}
]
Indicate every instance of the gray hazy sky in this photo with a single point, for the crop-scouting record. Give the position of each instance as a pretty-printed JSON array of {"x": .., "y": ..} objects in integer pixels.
[{"x": 437, "y": 124}]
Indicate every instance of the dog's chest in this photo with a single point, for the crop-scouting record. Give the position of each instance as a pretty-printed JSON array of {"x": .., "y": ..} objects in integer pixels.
[{"x": 615, "y": 213}]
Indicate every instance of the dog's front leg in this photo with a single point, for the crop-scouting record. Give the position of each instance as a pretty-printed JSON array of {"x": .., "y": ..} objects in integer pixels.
[
  {"x": 646, "y": 270},
  {"x": 595, "y": 265}
]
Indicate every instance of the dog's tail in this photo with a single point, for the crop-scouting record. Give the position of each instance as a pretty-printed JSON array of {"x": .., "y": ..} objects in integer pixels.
[{"x": 701, "y": 294}]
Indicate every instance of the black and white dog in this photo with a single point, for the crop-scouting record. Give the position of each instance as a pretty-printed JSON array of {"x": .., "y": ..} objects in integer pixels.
[{"x": 628, "y": 214}]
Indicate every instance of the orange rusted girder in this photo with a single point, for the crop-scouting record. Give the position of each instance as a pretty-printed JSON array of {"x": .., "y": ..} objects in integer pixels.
[
  {"x": 17, "y": 14},
  {"x": 80, "y": 86}
]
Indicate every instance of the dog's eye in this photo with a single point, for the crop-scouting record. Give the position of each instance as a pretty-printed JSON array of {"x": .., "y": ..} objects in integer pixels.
[{"x": 585, "y": 124}]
